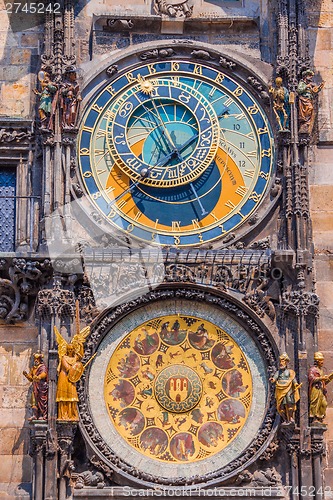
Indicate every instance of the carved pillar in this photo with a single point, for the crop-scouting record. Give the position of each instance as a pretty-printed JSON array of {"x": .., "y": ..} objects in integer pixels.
[
  {"x": 318, "y": 450},
  {"x": 37, "y": 451},
  {"x": 66, "y": 433},
  {"x": 291, "y": 439}
]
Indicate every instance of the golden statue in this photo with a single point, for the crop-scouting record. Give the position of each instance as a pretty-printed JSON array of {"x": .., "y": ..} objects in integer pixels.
[
  {"x": 286, "y": 389},
  {"x": 317, "y": 388},
  {"x": 70, "y": 370}
]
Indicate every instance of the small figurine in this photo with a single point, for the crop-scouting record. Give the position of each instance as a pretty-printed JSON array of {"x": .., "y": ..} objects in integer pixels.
[
  {"x": 39, "y": 378},
  {"x": 317, "y": 388},
  {"x": 70, "y": 99},
  {"x": 307, "y": 91},
  {"x": 46, "y": 100},
  {"x": 281, "y": 101},
  {"x": 286, "y": 389},
  {"x": 70, "y": 370}
]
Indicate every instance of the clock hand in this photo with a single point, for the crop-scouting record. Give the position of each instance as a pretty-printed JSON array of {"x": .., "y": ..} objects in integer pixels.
[
  {"x": 203, "y": 211},
  {"x": 162, "y": 124}
]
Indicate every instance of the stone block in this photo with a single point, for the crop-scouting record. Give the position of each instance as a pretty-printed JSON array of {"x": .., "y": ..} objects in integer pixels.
[
  {"x": 321, "y": 198},
  {"x": 329, "y": 422},
  {"x": 14, "y": 417},
  {"x": 5, "y": 357},
  {"x": 321, "y": 172},
  {"x": 18, "y": 333},
  {"x": 323, "y": 241},
  {"x": 21, "y": 361},
  {"x": 325, "y": 319},
  {"x": 30, "y": 40},
  {"x": 325, "y": 340},
  {"x": 329, "y": 456},
  {"x": 14, "y": 441},
  {"x": 322, "y": 221},
  {"x": 15, "y": 469},
  {"x": 20, "y": 56},
  {"x": 325, "y": 292},
  {"x": 323, "y": 265},
  {"x": 14, "y": 397}
]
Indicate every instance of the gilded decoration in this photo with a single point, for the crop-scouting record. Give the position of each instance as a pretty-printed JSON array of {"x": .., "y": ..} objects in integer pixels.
[{"x": 178, "y": 389}]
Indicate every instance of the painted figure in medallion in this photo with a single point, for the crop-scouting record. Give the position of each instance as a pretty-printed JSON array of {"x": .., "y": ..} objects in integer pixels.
[
  {"x": 317, "y": 388},
  {"x": 200, "y": 339},
  {"x": 70, "y": 370},
  {"x": 281, "y": 106},
  {"x": 307, "y": 91},
  {"x": 47, "y": 100},
  {"x": 286, "y": 389},
  {"x": 38, "y": 376}
]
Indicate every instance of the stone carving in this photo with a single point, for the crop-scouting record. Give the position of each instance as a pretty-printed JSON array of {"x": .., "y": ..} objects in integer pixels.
[
  {"x": 47, "y": 100},
  {"x": 317, "y": 389},
  {"x": 20, "y": 279},
  {"x": 307, "y": 91},
  {"x": 70, "y": 370},
  {"x": 55, "y": 301},
  {"x": 8, "y": 135},
  {"x": 70, "y": 99},
  {"x": 300, "y": 302},
  {"x": 156, "y": 53},
  {"x": 258, "y": 299},
  {"x": 111, "y": 70},
  {"x": 125, "y": 24},
  {"x": 259, "y": 87},
  {"x": 281, "y": 107},
  {"x": 268, "y": 477},
  {"x": 226, "y": 63},
  {"x": 276, "y": 188},
  {"x": 38, "y": 376},
  {"x": 286, "y": 390},
  {"x": 109, "y": 457},
  {"x": 270, "y": 451},
  {"x": 261, "y": 244},
  {"x": 91, "y": 479},
  {"x": 173, "y": 8},
  {"x": 201, "y": 54}
]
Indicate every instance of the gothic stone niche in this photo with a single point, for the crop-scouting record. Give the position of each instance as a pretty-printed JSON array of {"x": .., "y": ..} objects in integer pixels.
[{"x": 183, "y": 383}]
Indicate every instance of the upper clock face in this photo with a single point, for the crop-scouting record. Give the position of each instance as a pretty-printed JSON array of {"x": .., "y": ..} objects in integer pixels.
[{"x": 175, "y": 153}]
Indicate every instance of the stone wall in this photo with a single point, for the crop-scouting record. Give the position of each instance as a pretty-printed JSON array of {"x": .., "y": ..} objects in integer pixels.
[
  {"x": 320, "y": 17},
  {"x": 21, "y": 35},
  {"x": 17, "y": 343}
]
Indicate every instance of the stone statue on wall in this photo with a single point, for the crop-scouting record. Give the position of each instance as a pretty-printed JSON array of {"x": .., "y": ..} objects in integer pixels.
[
  {"x": 317, "y": 388},
  {"x": 173, "y": 8},
  {"x": 286, "y": 389},
  {"x": 307, "y": 91},
  {"x": 47, "y": 100},
  {"x": 38, "y": 376},
  {"x": 281, "y": 107},
  {"x": 70, "y": 370},
  {"x": 70, "y": 99}
]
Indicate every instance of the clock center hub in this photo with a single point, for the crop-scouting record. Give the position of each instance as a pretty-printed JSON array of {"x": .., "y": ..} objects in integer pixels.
[{"x": 178, "y": 388}]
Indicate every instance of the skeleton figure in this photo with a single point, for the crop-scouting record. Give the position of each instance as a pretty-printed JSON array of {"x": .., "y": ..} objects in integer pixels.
[{"x": 281, "y": 106}]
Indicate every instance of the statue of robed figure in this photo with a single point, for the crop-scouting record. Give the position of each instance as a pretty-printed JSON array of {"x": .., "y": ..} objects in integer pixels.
[{"x": 286, "y": 389}]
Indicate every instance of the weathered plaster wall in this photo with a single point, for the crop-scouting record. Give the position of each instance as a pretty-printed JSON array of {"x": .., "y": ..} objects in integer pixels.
[
  {"x": 17, "y": 343},
  {"x": 320, "y": 31}
]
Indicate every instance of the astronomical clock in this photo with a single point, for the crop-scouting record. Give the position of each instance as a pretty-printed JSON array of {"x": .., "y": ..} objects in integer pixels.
[
  {"x": 175, "y": 153},
  {"x": 178, "y": 153}
]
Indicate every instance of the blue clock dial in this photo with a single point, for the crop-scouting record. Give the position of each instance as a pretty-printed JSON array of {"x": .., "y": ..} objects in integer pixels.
[{"x": 175, "y": 153}]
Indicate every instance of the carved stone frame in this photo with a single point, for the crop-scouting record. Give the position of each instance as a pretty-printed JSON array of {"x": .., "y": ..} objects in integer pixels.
[
  {"x": 123, "y": 472},
  {"x": 251, "y": 74}
]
